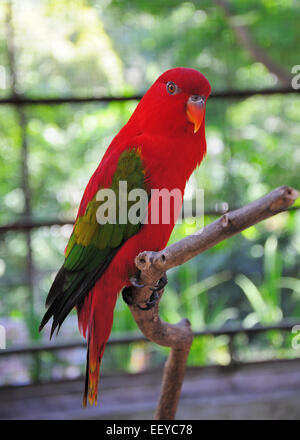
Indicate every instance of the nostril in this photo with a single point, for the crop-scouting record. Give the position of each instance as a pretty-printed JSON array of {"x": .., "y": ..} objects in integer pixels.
[{"x": 198, "y": 99}]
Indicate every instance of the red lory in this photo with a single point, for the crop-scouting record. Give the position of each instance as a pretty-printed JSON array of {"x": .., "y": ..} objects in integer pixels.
[{"x": 159, "y": 147}]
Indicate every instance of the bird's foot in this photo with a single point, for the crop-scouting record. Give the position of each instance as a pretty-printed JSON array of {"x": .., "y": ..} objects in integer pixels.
[
  {"x": 161, "y": 283},
  {"x": 127, "y": 292},
  {"x": 151, "y": 301}
]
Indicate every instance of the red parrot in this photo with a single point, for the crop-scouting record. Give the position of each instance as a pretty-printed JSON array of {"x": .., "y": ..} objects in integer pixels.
[{"x": 159, "y": 147}]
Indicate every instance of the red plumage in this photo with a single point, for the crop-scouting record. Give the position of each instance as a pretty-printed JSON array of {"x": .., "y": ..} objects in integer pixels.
[{"x": 170, "y": 150}]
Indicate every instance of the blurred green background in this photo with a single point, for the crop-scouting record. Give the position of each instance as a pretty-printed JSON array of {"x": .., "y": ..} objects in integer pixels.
[{"x": 84, "y": 48}]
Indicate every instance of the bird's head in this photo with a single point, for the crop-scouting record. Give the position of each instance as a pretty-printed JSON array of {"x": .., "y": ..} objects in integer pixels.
[{"x": 175, "y": 104}]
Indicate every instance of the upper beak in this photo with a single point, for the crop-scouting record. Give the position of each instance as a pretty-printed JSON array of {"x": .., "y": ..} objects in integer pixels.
[{"x": 195, "y": 109}]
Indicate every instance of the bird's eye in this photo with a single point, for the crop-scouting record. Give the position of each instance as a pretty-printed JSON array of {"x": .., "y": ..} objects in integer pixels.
[{"x": 171, "y": 88}]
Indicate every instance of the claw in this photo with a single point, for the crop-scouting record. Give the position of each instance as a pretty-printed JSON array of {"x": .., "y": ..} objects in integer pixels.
[
  {"x": 155, "y": 296},
  {"x": 151, "y": 301},
  {"x": 162, "y": 282},
  {"x": 134, "y": 281},
  {"x": 127, "y": 292}
]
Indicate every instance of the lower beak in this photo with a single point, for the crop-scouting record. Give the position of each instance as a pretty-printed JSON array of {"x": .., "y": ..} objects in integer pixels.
[{"x": 195, "y": 110}]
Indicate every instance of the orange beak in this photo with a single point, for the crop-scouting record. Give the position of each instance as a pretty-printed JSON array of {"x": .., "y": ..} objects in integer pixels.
[{"x": 195, "y": 110}]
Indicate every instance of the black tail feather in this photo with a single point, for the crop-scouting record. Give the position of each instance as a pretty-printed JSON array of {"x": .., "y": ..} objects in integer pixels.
[
  {"x": 69, "y": 290},
  {"x": 56, "y": 287}
]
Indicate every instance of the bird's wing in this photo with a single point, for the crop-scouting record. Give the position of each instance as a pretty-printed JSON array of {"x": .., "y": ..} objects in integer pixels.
[{"x": 92, "y": 246}]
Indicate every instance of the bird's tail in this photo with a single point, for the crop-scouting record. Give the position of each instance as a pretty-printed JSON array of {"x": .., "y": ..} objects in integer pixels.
[
  {"x": 95, "y": 319},
  {"x": 93, "y": 360}
]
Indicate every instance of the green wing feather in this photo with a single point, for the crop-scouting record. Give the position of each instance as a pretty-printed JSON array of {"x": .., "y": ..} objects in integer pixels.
[{"x": 92, "y": 246}]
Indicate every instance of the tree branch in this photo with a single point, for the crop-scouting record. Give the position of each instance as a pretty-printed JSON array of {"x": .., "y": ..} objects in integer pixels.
[{"x": 153, "y": 265}]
